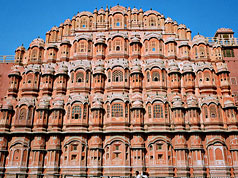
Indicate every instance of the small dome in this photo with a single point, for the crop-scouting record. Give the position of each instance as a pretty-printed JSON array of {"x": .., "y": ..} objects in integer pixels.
[
  {"x": 101, "y": 11},
  {"x": 140, "y": 11},
  {"x": 52, "y": 46},
  {"x": 98, "y": 70},
  {"x": 100, "y": 40},
  {"x": 175, "y": 22},
  {"x": 65, "y": 41},
  {"x": 39, "y": 42},
  {"x": 183, "y": 43},
  {"x": 74, "y": 17},
  {"x": 63, "y": 69},
  {"x": 187, "y": 67},
  {"x": 162, "y": 16},
  {"x": 137, "y": 104},
  {"x": 192, "y": 102},
  {"x": 168, "y": 20},
  {"x": 54, "y": 28},
  {"x": 222, "y": 67},
  {"x": 134, "y": 11},
  {"x": 170, "y": 39},
  {"x": 58, "y": 103},
  {"x": 67, "y": 22},
  {"x": 14, "y": 71},
  {"x": 181, "y": 26},
  {"x": 95, "y": 11},
  {"x": 135, "y": 40},
  {"x": 177, "y": 102},
  {"x": 173, "y": 67},
  {"x": 198, "y": 39},
  {"x": 47, "y": 70},
  {"x": 229, "y": 104},
  {"x": 136, "y": 69},
  {"x": 20, "y": 48},
  {"x": 97, "y": 105}
]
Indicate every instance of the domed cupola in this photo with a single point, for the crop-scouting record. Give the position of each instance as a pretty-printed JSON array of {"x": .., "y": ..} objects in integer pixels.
[
  {"x": 231, "y": 114},
  {"x": 174, "y": 77},
  {"x": 178, "y": 112},
  {"x": 100, "y": 46},
  {"x": 170, "y": 47},
  {"x": 136, "y": 77},
  {"x": 135, "y": 46},
  {"x": 200, "y": 48},
  {"x": 14, "y": 77},
  {"x": 192, "y": 112},
  {"x": 19, "y": 54},
  {"x": 137, "y": 115},
  {"x": 188, "y": 78},
  {"x": 6, "y": 113},
  {"x": 61, "y": 79},
  {"x": 224, "y": 79},
  {"x": 47, "y": 79},
  {"x": 36, "y": 51},
  {"x": 65, "y": 50},
  {"x": 99, "y": 77},
  {"x": 97, "y": 110}
]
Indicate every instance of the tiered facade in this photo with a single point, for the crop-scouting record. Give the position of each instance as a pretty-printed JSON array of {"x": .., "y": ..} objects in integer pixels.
[{"x": 116, "y": 91}]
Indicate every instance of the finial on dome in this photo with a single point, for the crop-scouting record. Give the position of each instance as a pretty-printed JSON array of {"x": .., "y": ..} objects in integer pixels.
[
  {"x": 22, "y": 44},
  {"x": 118, "y": 4},
  {"x": 150, "y": 8},
  {"x": 38, "y": 36},
  {"x": 198, "y": 33}
]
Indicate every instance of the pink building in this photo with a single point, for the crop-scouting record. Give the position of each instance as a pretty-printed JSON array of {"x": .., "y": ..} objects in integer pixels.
[{"x": 117, "y": 91}]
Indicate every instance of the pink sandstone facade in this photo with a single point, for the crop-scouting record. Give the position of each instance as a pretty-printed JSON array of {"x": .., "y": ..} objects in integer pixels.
[{"x": 115, "y": 91}]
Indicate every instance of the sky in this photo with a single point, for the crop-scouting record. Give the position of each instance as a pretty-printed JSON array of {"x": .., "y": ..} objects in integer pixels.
[{"x": 24, "y": 20}]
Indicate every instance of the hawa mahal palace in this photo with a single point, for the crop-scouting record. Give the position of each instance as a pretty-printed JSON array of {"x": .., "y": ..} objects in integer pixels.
[{"x": 116, "y": 91}]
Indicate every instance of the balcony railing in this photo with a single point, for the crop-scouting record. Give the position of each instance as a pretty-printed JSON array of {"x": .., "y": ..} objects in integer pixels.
[
  {"x": 223, "y": 41},
  {"x": 7, "y": 58}
]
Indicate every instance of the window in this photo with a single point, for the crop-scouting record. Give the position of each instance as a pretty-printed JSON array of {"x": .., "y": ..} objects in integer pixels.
[
  {"x": 202, "y": 51},
  {"x": 158, "y": 111},
  {"x": 228, "y": 53},
  {"x": 155, "y": 76},
  {"x": 117, "y": 110},
  {"x": 148, "y": 76},
  {"x": 152, "y": 22},
  {"x": 205, "y": 112},
  {"x": 149, "y": 111},
  {"x": 108, "y": 111},
  {"x": 109, "y": 76},
  {"x": 117, "y": 76},
  {"x": 82, "y": 47},
  {"x": 159, "y": 146},
  {"x": 233, "y": 81},
  {"x": 22, "y": 114},
  {"x": 207, "y": 76},
  {"x": 79, "y": 77},
  {"x": 83, "y": 23},
  {"x": 117, "y": 45},
  {"x": 117, "y": 147},
  {"x": 73, "y": 157},
  {"x": 76, "y": 112},
  {"x": 153, "y": 46},
  {"x": 117, "y": 22},
  {"x": 85, "y": 111},
  {"x": 213, "y": 111},
  {"x": 74, "y": 147}
]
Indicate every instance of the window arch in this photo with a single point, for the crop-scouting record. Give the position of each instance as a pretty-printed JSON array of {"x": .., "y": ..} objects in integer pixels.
[
  {"x": 82, "y": 47},
  {"x": 79, "y": 77},
  {"x": 76, "y": 112},
  {"x": 158, "y": 111},
  {"x": 117, "y": 76},
  {"x": 156, "y": 76},
  {"x": 117, "y": 110}
]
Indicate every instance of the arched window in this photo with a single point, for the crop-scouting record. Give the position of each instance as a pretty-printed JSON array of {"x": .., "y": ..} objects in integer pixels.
[
  {"x": 22, "y": 114},
  {"x": 117, "y": 76},
  {"x": 34, "y": 54},
  {"x": 109, "y": 76},
  {"x": 117, "y": 22},
  {"x": 79, "y": 77},
  {"x": 149, "y": 111},
  {"x": 108, "y": 111},
  {"x": 158, "y": 111},
  {"x": 153, "y": 46},
  {"x": 75, "y": 47},
  {"x": 202, "y": 51},
  {"x": 30, "y": 78},
  {"x": 82, "y": 47},
  {"x": 155, "y": 76},
  {"x": 146, "y": 46},
  {"x": 148, "y": 76},
  {"x": 117, "y": 45},
  {"x": 152, "y": 22},
  {"x": 213, "y": 111},
  {"x": 117, "y": 110},
  {"x": 207, "y": 76},
  {"x": 83, "y": 23},
  {"x": 76, "y": 112},
  {"x": 205, "y": 112}
]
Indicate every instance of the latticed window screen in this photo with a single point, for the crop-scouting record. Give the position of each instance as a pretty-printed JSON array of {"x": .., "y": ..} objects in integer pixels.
[
  {"x": 156, "y": 76},
  {"x": 149, "y": 111},
  {"x": 148, "y": 76},
  {"x": 152, "y": 46},
  {"x": 213, "y": 111},
  {"x": 152, "y": 22},
  {"x": 85, "y": 112},
  {"x": 79, "y": 77},
  {"x": 76, "y": 112},
  {"x": 82, "y": 47},
  {"x": 205, "y": 112},
  {"x": 158, "y": 111},
  {"x": 117, "y": 76},
  {"x": 108, "y": 110},
  {"x": 22, "y": 114},
  {"x": 117, "y": 110}
]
